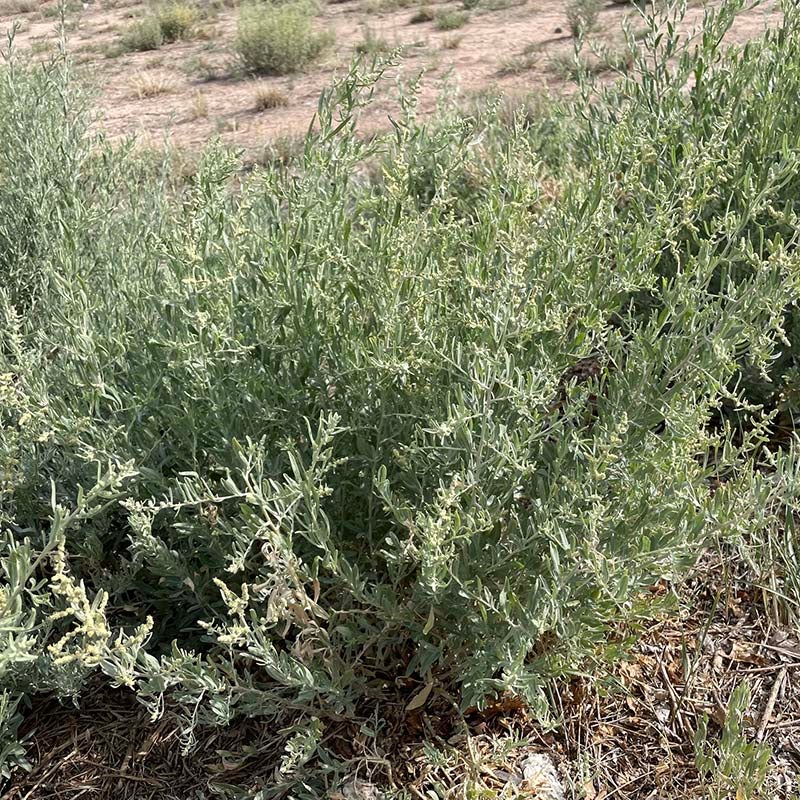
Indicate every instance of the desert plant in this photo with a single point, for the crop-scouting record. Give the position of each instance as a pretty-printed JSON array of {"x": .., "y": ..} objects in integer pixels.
[
  {"x": 199, "y": 106},
  {"x": 282, "y": 152},
  {"x": 12, "y": 752},
  {"x": 452, "y": 42},
  {"x": 582, "y": 16},
  {"x": 568, "y": 65},
  {"x": 448, "y": 19},
  {"x": 169, "y": 23},
  {"x": 267, "y": 97},
  {"x": 41, "y": 46},
  {"x": 277, "y": 40},
  {"x": 269, "y": 441},
  {"x": 143, "y": 35},
  {"x": 372, "y": 44},
  {"x": 732, "y": 768},
  {"x": 201, "y": 68},
  {"x": 608, "y": 59},
  {"x": 151, "y": 84},
  {"x": 383, "y": 6},
  {"x": 422, "y": 14},
  {"x": 176, "y": 20},
  {"x": 529, "y": 58},
  {"x": 9, "y": 7},
  {"x": 60, "y": 7}
]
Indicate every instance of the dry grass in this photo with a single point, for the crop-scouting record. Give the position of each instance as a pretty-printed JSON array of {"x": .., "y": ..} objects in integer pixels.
[
  {"x": 267, "y": 97},
  {"x": 12, "y": 7},
  {"x": 110, "y": 749},
  {"x": 199, "y": 106},
  {"x": 516, "y": 65},
  {"x": 151, "y": 84},
  {"x": 633, "y": 735},
  {"x": 452, "y": 42}
]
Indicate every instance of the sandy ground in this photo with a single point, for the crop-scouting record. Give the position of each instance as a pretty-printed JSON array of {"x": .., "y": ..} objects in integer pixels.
[{"x": 192, "y": 91}]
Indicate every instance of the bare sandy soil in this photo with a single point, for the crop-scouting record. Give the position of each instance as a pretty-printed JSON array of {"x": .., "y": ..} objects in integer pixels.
[{"x": 192, "y": 91}]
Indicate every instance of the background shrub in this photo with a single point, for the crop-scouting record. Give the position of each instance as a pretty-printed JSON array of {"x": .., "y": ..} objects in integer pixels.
[
  {"x": 146, "y": 34},
  {"x": 169, "y": 23},
  {"x": 176, "y": 21},
  {"x": 278, "y": 39},
  {"x": 422, "y": 14},
  {"x": 449, "y": 19},
  {"x": 582, "y": 16},
  {"x": 268, "y": 97}
]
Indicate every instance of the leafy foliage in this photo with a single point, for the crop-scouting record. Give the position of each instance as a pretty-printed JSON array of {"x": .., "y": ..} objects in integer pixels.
[
  {"x": 268, "y": 442},
  {"x": 143, "y": 35},
  {"x": 449, "y": 19},
  {"x": 277, "y": 39},
  {"x": 169, "y": 23},
  {"x": 739, "y": 767},
  {"x": 176, "y": 20},
  {"x": 582, "y": 16}
]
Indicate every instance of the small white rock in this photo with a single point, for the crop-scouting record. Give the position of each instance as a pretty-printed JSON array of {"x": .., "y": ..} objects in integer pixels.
[
  {"x": 541, "y": 778},
  {"x": 662, "y": 714},
  {"x": 356, "y": 789}
]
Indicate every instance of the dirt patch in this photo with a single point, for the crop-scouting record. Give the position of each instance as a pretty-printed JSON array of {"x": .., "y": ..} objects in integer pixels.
[
  {"x": 192, "y": 91},
  {"x": 109, "y": 748}
]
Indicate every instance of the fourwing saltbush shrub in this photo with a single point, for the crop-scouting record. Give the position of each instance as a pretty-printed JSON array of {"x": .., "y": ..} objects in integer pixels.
[{"x": 268, "y": 442}]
